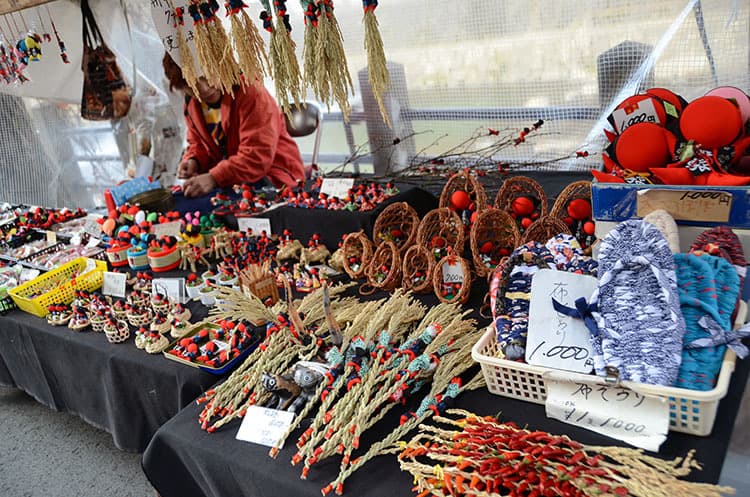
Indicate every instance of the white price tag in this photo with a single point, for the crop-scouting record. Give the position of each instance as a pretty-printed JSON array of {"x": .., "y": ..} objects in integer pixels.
[
  {"x": 453, "y": 273},
  {"x": 264, "y": 426},
  {"x": 51, "y": 238},
  {"x": 642, "y": 112},
  {"x": 614, "y": 411},
  {"x": 172, "y": 288},
  {"x": 554, "y": 339},
  {"x": 257, "y": 224},
  {"x": 114, "y": 284},
  {"x": 90, "y": 265},
  {"x": 337, "y": 187},
  {"x": 93, "y": 242},
  {"x": 168, "y": 229}
]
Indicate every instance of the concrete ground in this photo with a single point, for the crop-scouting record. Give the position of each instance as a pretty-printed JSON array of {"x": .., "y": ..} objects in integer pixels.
[{"x": 44, "y": 453}]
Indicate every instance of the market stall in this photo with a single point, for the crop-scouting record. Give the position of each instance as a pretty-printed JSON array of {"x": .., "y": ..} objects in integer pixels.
[{"x": 466, "y": 320}]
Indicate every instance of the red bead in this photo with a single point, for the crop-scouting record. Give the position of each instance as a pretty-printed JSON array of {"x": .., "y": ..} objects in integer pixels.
[
  {"x": 589, "y": 228},
  {"x": 486, "y": 247},
  {"x": 579, "y": 209},
  {"x": 522, "y": 206},
  {"x": 526, "y": 222},
  {"x": 460, "y": 200}
]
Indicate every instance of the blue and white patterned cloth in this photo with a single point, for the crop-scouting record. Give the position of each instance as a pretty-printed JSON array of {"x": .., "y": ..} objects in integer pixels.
[{"x": 640, "y": 325}]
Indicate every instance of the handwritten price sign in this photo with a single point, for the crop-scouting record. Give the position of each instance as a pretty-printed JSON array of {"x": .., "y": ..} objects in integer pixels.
[
  {"x": 687, "y": 205},
  {"x": 556, "y": 340},
  {"x": 264, "y": 426},
  {"x": 614, "y": 411}
]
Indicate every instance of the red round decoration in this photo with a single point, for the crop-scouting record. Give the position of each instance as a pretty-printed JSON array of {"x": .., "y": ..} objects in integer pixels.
[
  {"x": 192, "y": 348},
  {"x": 473, "y": 218},
  {"x": 523, "y": 206},
  {"x": 589, "y": 228},
  {"x": 526, "y": 222},
  {"x": 395, "y": 233},
  {"x": 460, "y": 200},
  {"x": 504, "y": 252},
  {"x": 643, "y": 146},
  {"x": 569, "y": 221},
  {"x": 437, "y": 242},
  {"x": 579, "y": 209},
  {"x": 712, "y": 122},
  {"x": 486, "y": 247}
]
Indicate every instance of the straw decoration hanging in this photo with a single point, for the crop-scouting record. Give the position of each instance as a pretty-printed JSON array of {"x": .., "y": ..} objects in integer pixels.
[
  {"x": 384, "y": 270},
  {"x": 441, "y": 230},
  {"x": 545, "y": 228},
  {"x": 284, "y": 65},
  {"x": 247, "y": 42},
  {"x": 417, "y": 269},
  {"x": 213, "y": 48},
  {"x": 377, "y": 70},
  {"x": 358, "y": 250},
  {"x": 332, "y": 81},
  {"x": 397, "y": 223},
  {"x": 451, "y": 279},
  {"x": 573, "y": 206},
  {"x": 494, "y": 235},
  {"x": 187, "y": 64},
  {"x": 310, "y": 55}
]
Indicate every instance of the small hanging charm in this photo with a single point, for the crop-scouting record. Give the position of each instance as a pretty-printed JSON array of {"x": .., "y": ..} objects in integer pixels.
[
  {"x": 377, "y": 71},
  {"x": 45, "y": 34},
  {"x": 60, "y": 43},
  {"x": 248, "y": 43},
  {"x": 286, "y": 73}
]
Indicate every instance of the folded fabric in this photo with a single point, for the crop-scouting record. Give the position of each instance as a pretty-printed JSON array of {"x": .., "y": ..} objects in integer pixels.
[
  {"x": 640, "y": 325},
  {"x": 511, "y": 295},
  {"x": 665, "y": 223},
  {"x": 568, "y": 255},
  {"x": 699, "y": 304}
]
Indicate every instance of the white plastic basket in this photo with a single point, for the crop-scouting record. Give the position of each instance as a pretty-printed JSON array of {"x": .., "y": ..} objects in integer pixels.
[{"x": 690, "y": 411}]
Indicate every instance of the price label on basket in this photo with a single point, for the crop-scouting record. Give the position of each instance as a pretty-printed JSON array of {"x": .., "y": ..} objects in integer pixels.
[
  {"x": 453, "y": 272},
  {"x": 114, "y": 284},
  {"x": 337, "y": 187},
  {"x": 641, "y": 112},
  {"x": 556, "y": 339},
  {"x": 51, "y": 238},
  {"x": 612, "y": 410},
  {"x": 168, "y": 229},
  {"x": 264, "y": 426},
  {"x": 257, "y": 224},
  {"x": 687, "y": 205},
  {"x": 172, "y": 288}
]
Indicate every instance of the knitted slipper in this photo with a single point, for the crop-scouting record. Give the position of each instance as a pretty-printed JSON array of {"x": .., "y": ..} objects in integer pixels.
[
  {"x": 665, "y": 223},
  {"x": 510, "y": 295},
  {"x": 639, "y": 319},
  {"x": 569, "y": 257},
  {"x": 723, "y": 242},
  {"x": 728, "y": 289},
  {"x": 698, "y": 302}
]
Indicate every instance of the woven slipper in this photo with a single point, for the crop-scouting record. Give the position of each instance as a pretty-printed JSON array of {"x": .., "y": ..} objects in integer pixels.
[
  {"x": 639, "y": 319},
  {"x": 510, "y": 296},
  {"x": 665, "y": 223},
  {"x": 569, "y": 257},
  {"x": 698, "y": 302}
]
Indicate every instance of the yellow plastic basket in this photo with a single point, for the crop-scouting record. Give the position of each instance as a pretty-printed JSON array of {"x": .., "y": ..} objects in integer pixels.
[{"x": 58, "y": 286}]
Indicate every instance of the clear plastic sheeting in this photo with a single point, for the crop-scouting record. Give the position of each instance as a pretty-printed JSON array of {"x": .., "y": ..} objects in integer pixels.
[{"x": 456, "y": 67}]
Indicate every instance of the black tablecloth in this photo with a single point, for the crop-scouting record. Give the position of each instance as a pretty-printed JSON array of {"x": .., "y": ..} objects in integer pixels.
[
  {"x": 182, "y": 460},
  {"x": 117, "y": 388},
  {"x": 331, "y": 225}
]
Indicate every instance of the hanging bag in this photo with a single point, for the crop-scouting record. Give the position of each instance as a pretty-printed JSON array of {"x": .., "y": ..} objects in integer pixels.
[{"x": 105, "y": 93}]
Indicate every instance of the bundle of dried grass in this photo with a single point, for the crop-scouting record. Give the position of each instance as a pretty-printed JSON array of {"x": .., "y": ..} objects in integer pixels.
[
  {"x": 377, "y": 71},
  {"x": 248, "y": 43},
  {"x": 284, "y": 66}
]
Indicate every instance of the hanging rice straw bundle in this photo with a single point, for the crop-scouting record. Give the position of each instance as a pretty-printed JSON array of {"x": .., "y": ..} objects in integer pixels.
[
  {"x": 226, "y": 71},
  {"x": 333, "y": 79},
  {"x": 187, "y": 64},
  {"x": 284, "y": 65},
  {"x": 377, "y": 71},
  {"x": 310, "y": 54},
  {"x": 248, "y": 43}
]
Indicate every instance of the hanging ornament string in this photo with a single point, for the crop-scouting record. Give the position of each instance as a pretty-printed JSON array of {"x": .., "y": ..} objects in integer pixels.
[
  {"x": 60, "y": 43},
  {"x": 247, "y": 42},
  {"x": 377, "y": 70},
  {"x": 333, "y": 79},
  {"x": 30, "y": 44},
  {"x": 45, "y": 33},
  {"x": 186, "y": 55},
  {"x": 284, "y": 65}
]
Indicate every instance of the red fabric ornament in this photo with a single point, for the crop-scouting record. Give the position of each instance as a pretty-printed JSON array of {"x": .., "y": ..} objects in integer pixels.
[
  {"x": 711, "y": 122},
  {"x": 460, "y": 200},
  {"x": 589, "y": 228},
  {"x": 579, "y": 209},
  {"x": 522, "y": 206},
  {"x": 643, "y": 146},
  {"x": 668, "y": 96},
  {"x": 526, "y": 222},
  {"x": 486, "y": 247}
]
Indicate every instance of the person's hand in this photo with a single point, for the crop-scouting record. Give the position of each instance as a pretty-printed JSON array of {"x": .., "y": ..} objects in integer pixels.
[
  {"x": 200, "y": 185},
  {"x": 187, "y": 169}
]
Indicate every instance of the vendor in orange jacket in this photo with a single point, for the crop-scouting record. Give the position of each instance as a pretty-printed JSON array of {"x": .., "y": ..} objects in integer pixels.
[{"x": 232, "y": 140}]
